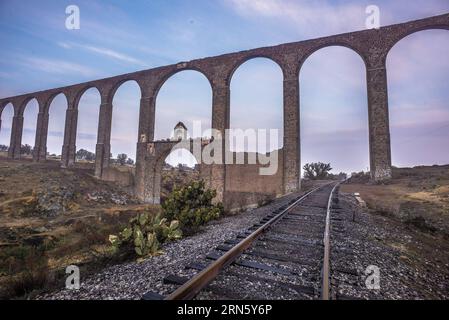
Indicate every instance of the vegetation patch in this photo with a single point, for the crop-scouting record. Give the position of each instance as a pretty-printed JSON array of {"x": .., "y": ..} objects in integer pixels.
[
  {"x": 185, "y": 210},
  {"x": 144, "y": 234},
  {"x": 417, "y": 197},
  {"x": 192, "y": 206}
]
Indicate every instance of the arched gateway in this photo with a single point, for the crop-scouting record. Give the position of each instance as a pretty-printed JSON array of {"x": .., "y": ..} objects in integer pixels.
[{"x": 236, "y": 186}]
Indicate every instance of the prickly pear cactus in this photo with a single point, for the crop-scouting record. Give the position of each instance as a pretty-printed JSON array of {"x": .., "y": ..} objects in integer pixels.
[{"x": 145, "y": 233}]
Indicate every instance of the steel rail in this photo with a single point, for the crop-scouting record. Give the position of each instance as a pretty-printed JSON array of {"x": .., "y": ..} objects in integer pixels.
[
  {"x": 326, "y": 241},
  {"x": 192, "y": 287}
]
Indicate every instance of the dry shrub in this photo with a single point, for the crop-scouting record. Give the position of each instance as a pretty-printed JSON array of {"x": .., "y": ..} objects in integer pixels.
[{"x": 28, "y": 271}]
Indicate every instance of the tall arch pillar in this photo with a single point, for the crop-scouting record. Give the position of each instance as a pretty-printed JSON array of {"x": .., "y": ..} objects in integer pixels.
[
  {"x": 69, "y": 146},
  {"x": 40, "y": 144},
  {"x": 379, "y": 125},
  {"x": 2, "y": 107},
  {"x": 103, "y": 147},
  {"x": 291, "y": 150},
  {"x": 146, "y": 135},
  {"x": 220, "y": 122},
  {"x": 16, "y": 137}
]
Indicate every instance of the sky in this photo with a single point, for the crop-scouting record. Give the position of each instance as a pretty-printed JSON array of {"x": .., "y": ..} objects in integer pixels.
[{"x": 117, "y": 36}]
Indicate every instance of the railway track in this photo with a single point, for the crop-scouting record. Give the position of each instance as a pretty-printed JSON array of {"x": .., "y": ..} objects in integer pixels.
[{"x": 284, "y": 256}]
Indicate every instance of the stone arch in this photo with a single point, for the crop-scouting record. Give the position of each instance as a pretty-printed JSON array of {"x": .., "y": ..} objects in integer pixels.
[
  {"x": 169, "y": 148},
  {"x": 4, "y": 104},
  {"x": 81, "y": 125},
  {"x": 46, "y": 107},
  {"x": 30, "y": 121},
  {"x": 130, "y": 118},
  {"x": 162, "y": 150},
  {"x": 8, "y": 105},
  {"x": 49, "y": 127},
  {"x": 239, "y": 62},
  {"x": 157, "y": 98},
  {"x": 349, "y": 95},
  {"x": 418, "y": 112},
  {"x": 23, "y": 105},
  {"x": 318, "y": 47},
  {"x": 80, "y": 93},
  {"x": 167, "y": 75},
  {"x": 266, "y": 59},
  {"x": 118, "y": 84},
  {"x": 412, "y": 30}
]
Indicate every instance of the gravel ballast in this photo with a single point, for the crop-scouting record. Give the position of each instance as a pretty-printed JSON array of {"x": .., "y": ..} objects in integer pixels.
[
  {"x": 132, "y": 280},
  {"x": 412, "y": 264}
]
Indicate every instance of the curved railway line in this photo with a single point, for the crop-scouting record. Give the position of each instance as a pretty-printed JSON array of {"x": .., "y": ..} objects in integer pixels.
[{"x": 284, "y": 256}]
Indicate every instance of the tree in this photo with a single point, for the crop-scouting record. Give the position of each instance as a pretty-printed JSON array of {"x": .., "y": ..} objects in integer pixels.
[
  {"x": 83, "y": 154},
  {"x": 121, "y": 158},
  {"x": 130, "y": 161},
  {"x": 3, "y": 147},
  {"x": 340, "y": 176},
  {"x": 316, "y": 170},
  {"x": 26, "y": 149}
]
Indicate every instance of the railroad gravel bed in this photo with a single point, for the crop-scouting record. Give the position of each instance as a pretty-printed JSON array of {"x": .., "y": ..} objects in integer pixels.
[
  {"x": 412, "y": 264},
  {"x": 133, "y": 279}
]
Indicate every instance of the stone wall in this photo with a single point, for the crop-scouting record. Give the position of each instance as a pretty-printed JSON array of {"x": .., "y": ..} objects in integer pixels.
[
  {"x": 245, "y": 187},
  {"x": 124, "y": 178}
]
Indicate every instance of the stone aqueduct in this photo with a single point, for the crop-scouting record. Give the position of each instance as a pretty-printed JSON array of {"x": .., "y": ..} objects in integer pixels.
[{"x": 372, "y": 46}]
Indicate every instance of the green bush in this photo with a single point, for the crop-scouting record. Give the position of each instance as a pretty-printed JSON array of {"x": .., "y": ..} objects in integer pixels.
[
  {"x": 192, "y": 206},
  {"x": 144, "y": 234}
]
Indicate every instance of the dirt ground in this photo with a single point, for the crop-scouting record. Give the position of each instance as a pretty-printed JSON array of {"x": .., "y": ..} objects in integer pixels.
[
  {"x": 51, "y": 218},
  {"x": 412, "y": 213},
  {"x": 416, "y": 196}
]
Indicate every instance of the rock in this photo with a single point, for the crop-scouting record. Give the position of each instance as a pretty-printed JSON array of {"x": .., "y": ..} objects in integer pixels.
[
  {"x": 117, "y": 199},
  {"x": 105, "y": 197},
  {"x": 40, "y": 229},
  {"x": 53, "y": 202}
]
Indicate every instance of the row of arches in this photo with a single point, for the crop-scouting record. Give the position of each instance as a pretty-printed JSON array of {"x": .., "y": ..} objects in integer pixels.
[{"x": 258, "y": 77}]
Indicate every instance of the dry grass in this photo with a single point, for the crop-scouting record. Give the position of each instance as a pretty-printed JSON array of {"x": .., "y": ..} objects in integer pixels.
[
  {"x": 35, "y": 248},
  {"x": 418, "y": 196}
]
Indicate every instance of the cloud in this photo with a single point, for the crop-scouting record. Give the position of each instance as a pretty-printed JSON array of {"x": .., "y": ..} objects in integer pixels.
[
  {"x": 56, "y": 66},
  {"x": 65, "y": 45},
  {"x": 409, "y": 115},
  {"x": 105, "y": 52},
  {"x": 55, "y": 133},
  {"x": 321, "y": 17},
  {"x": 305, "y": 15},
  {"x": 116, "y": 55}
]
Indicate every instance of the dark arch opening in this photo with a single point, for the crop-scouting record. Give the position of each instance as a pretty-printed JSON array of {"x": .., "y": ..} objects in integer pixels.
[
  {"x": 334, "y": 112},
  {"x": 418, "y": 93},
  {"x": 257, "y": 103},
  {"x": 87, "y": 127}
]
